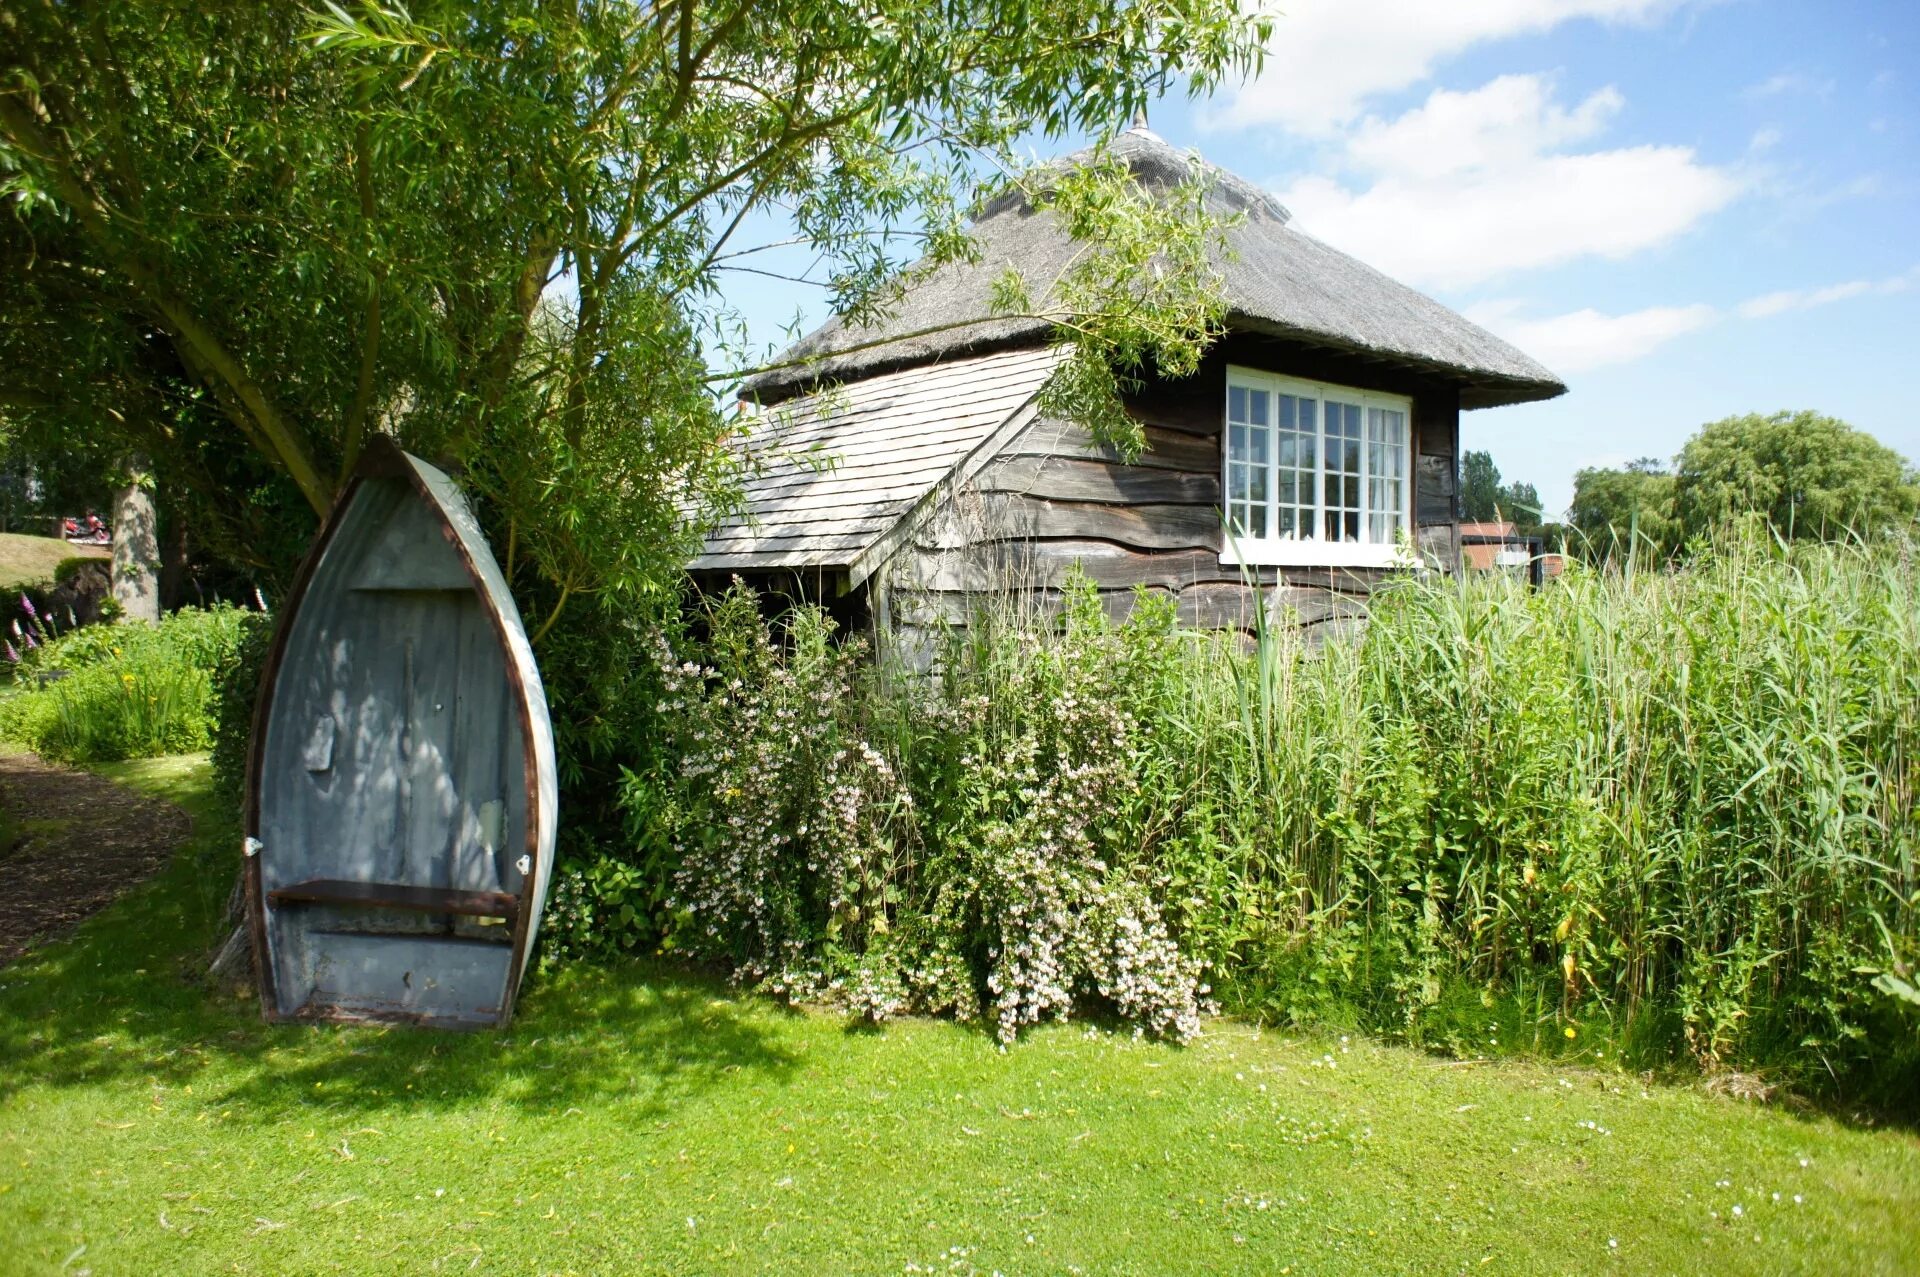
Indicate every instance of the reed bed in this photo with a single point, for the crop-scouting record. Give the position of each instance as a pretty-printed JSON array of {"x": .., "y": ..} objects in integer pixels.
[{"x": 1680, "y": 803}]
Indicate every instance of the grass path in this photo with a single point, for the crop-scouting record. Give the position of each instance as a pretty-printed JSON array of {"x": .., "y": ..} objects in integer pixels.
[
  {"x": 641, "y": 1120},
  {"x": 70, "y": 842}
]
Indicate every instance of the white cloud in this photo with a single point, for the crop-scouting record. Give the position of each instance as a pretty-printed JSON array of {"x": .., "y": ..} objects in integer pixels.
[
  {"x": 1585, "y": 339},
  {"x": 1788, "y": 83},
  {"x": 1505, "y": 122},
  {"x": 1778, "y": 303},
  {"x": 1328, "y": 57},
  {"x": 1473, "y": 185}
]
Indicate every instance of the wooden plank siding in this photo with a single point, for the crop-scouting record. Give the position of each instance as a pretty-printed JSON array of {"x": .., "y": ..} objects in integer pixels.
[
  {"x": 1052, "y": 499},
  {"x": 834, "y": 473}
]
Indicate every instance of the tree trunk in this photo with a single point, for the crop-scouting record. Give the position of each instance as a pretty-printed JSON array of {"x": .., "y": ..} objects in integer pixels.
[
  {"x": 173, "y": 565},
  {"x": 231, "y": 970},
  {"x": 136, "y": 552}
]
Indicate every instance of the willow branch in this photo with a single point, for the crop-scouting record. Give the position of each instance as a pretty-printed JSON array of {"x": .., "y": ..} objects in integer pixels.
[
  {"x": 1064, "y": 320},
  {"x": 566, "y": 591},
  {"x": 355, "y": 431},
  {"x": 194, "y": 338}
]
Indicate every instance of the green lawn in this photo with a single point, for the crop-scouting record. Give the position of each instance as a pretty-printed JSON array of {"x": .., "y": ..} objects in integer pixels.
[
  {"x": 26, "y": 560},
  {"x": 642, "y": 1120}
]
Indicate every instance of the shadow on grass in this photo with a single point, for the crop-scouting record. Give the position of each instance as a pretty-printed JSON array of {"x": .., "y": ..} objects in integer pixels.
[{"x": 121, "y": 1003}]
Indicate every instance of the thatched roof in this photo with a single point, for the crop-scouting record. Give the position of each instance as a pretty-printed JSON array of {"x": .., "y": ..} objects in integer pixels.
[
  {"x": 838, "y": 471},
  {"x": 1278, "y": 280}
]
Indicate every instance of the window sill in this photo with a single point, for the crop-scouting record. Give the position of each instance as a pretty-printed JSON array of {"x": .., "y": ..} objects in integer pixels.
[{"x": 1315, "y": 554}]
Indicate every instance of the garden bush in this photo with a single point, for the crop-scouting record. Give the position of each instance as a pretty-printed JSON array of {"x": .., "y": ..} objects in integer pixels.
[
  {"x": 1670, "y": 811},
  {"x": 235, "y": 677},
  {"x": 102, "y": 693},
  {"x": 803, "y": 859}
]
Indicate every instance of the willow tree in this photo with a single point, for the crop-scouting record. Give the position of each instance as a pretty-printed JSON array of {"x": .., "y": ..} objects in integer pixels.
[
  {"x": 502, "y": 231},
  {"x": 241, "y": 238}
]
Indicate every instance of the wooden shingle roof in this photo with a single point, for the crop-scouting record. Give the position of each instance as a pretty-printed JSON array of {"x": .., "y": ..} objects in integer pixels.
[{"x": 839, "y": 471}]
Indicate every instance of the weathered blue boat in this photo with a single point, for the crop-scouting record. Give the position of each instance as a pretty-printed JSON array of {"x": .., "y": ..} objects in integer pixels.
[{"x": 401, "y": 791}]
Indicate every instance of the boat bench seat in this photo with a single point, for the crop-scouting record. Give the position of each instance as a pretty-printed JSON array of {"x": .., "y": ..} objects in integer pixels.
[{"x": 398, "y": 895}]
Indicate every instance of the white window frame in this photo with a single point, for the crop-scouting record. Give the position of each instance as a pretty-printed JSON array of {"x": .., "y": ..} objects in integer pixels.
[{"x": 1276, "y": 551}]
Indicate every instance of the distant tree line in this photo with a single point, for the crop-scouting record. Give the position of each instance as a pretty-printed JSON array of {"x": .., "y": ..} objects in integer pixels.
[
  {"x": 1807, "y": 476},
  {"x": 1485, "y": 498}
]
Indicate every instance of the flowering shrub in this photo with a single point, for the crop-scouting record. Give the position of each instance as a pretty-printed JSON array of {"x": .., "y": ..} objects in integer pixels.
[
  {"x": 1032, "y": 775},
  {"x": 788, "y": 824},
  {"x": 807, "y": 864}
]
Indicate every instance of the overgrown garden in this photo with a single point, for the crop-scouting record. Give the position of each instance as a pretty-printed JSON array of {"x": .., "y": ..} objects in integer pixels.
[
  {"x": 1668, "y": 804},
  {"x": 1669, "y": 810}
]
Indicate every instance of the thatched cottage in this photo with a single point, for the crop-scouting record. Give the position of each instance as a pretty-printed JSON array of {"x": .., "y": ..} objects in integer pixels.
[{"x": 1317, "y": 445}]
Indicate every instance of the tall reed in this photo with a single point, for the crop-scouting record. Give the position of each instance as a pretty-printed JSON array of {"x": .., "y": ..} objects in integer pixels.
[{"x": 1683, "y": 802}]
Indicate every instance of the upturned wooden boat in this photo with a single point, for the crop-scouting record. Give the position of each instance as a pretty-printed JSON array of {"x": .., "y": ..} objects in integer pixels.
[{"x": 401, "y": 791}]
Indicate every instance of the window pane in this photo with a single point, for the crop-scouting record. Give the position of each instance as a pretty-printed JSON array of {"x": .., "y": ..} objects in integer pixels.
[{"x": 1301, "y": 466}]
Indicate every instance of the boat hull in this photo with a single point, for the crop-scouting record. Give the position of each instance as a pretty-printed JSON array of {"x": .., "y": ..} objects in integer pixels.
[{"x": 401, "y": 786}]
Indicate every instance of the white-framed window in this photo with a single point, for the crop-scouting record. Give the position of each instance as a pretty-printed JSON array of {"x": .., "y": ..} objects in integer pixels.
[{"x": 1314, "y": 473}]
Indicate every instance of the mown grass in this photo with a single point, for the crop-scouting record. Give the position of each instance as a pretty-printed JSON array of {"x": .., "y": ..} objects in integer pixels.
[
  {"x": 30, "y": 560},
  {"x": 642, "y": 1119}
]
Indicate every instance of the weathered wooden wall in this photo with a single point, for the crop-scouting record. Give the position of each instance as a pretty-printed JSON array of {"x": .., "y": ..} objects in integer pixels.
[{"x": 1053, "y": 498}]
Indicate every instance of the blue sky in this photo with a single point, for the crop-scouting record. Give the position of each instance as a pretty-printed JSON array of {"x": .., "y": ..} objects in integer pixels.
[{"x": 1687, "y": 208}]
